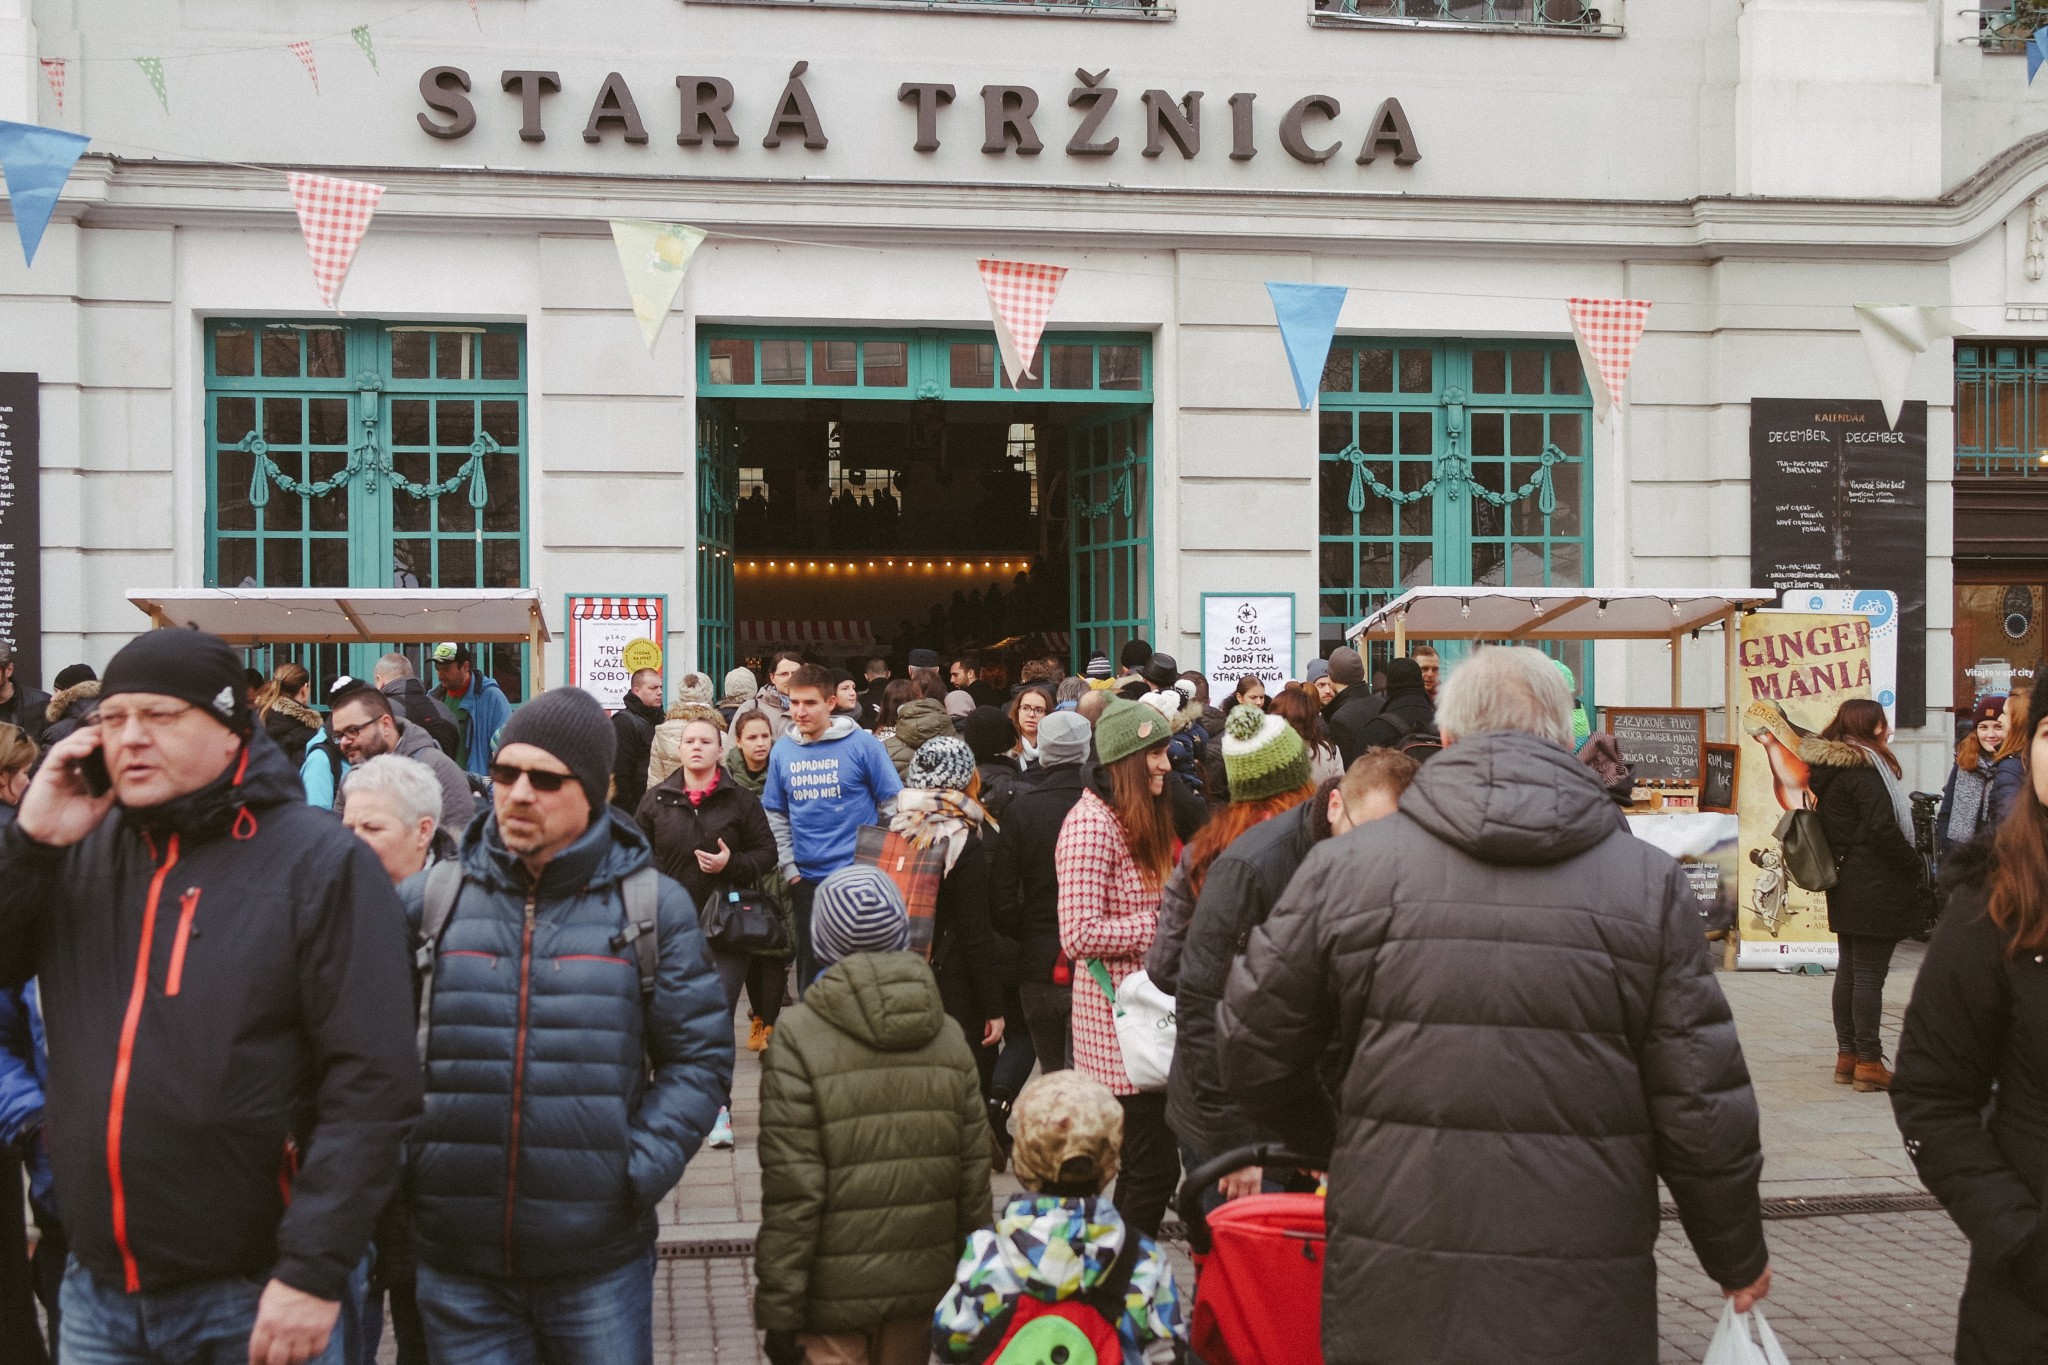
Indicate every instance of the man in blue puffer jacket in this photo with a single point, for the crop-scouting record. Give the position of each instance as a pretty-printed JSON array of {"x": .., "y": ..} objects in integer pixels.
[{"x": 560, "y": 1106}]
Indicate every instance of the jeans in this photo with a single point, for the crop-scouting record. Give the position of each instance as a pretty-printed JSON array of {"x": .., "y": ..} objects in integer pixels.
[
  {"x": 1149, "y": 1164},
  {"x": 601, "y": 1319},
  {"x": 201, "y": 1324},
  {"x": 1049, "y": 1016},
  {"x": 1859, "y": 994},
  {"x": 800, "y": 896}
]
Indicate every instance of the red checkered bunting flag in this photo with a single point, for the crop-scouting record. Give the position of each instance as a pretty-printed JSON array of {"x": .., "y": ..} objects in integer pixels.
[
  {"x": 304, "y": 52},
  {"x": 1020, "y": 295},
  {"x": 333, "y": 215},
  {"x": 53, "y": 72},
  {"x": 1607, "y": 331}
]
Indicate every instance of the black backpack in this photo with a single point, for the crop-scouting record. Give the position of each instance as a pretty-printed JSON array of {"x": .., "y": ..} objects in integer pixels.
[
  {"x": 419, "y": 709},
  {"x": 1420, "y": 745}
]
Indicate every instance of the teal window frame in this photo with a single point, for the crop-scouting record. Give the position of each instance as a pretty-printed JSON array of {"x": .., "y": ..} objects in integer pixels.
[
  {"x": 352, "y": 416},
  {"x": 2001, "y": 412},
  {"x": 929, "y": 372},
  {"x": 1422, "y": 426}
]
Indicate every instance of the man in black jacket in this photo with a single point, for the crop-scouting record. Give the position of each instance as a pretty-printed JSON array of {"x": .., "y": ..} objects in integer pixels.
[
  {"x": 633, "y": 727},
  {"x": 224, "y": 974},
  {"x": 396, "y": 678},
  {"x": 1408, "y": 710},
  {"x": 1353, "y": 707},
  {"x": 1024, "y": 890},
  {"x": 1490, "y": 1130},
  {"x": 21, "y": 703}
]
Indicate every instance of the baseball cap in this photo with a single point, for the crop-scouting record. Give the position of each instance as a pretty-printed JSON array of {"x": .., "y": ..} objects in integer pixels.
[{"x": 449, "y": 652}]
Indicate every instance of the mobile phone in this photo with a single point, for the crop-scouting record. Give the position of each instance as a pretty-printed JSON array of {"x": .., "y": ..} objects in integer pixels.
[{"x": 92, "y": 770}]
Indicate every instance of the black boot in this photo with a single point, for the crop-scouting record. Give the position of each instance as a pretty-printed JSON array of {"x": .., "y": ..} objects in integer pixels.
[{"x": 999, "y": 1101}]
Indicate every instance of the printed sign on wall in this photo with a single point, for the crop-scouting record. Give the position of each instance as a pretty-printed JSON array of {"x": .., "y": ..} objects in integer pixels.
[
  {"x": 612, "y": 638},
  {"x": 1797, "y": 669},
  {"x": 1883, "y": 610},
  {"x": 1246, "y": 634},
  {"x": 21, "y": 524}
]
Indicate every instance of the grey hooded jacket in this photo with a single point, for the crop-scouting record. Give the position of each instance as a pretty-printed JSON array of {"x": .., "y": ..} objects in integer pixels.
[{"x": 1530, "y": 1035}]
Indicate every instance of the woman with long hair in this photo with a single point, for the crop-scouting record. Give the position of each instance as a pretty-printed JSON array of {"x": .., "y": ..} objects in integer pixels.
[
  {"x": 1029, "y": 707},
  {"x": 1298, "y": 706},
  {"x": 1966, "y": 799},
  {"x": 1251, "y": 691},
  {"x": 1976, "y": 1044},
  {"x": 746, "y": 763},
  {"x": 1114, "y": 854},
  {"x": 899, "y": 693},
  {"x": 2009, "y": 760},
  {"x": 1875, "y": 902},
  {"x": 284, "y": 704}
]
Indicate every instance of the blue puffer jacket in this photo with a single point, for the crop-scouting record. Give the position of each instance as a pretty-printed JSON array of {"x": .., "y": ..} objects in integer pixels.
[
  {"x": 546, "y": 1142},
  {"x": 24, "y": 1068}
]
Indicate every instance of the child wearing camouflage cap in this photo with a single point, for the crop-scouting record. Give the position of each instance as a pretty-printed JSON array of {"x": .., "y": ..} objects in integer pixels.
[{"x": 1062, "y": 1241}]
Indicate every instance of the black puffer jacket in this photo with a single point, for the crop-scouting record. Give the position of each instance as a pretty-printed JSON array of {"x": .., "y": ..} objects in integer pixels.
[
  {"x": 1978, "y": 1028},
  {"x": 545, "y": 1145},
  {"x": 1243, "y": 885},
  {"x": 271, "y": 1021},
  {"x": 967, "y": 957},
  {"x": 633, "y": 726},
  {"x": 1408, "y": 711},
  {"x": 1347, "y": 715},
  {"x": 1877, "y": 886},
  {"x": 1024, "y": 890},
  {"x": 1531, "y": 1037},
  {"x": 292, "y": 725},
  {"x": 69, "y": 709},
  {"x": 677, "y": 829}
]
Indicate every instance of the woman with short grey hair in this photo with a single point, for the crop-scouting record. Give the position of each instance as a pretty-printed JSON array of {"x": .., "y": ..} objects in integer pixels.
[{"x": 394, "y": 806}]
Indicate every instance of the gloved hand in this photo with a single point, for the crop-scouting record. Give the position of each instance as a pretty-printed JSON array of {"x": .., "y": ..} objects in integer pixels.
[{"x": 781, "y": 1349}]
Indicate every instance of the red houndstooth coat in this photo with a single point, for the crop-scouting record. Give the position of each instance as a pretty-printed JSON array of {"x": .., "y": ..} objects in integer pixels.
[{"x": 1107, "y": 911}]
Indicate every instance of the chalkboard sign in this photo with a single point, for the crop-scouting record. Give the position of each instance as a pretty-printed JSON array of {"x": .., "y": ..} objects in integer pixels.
[
  {"x": 1717, "y": 792},
  {"x": 1663, "y": 745}
]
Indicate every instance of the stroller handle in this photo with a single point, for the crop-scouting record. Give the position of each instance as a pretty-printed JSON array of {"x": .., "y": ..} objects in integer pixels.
[{"x": 1189, "y": 1203}]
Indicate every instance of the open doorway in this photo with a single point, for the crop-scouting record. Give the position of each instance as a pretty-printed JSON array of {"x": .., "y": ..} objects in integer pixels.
[{"x": 866, "y": 495}]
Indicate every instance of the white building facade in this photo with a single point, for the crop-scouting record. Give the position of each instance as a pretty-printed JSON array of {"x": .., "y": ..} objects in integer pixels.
[{"x": 1753, "y": 167}]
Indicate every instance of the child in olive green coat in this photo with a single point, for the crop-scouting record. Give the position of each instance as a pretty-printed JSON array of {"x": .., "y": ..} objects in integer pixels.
[{"x": 874, "y": 1143}]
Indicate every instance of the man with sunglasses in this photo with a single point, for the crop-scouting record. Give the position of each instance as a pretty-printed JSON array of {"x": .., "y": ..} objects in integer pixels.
[
  {"x": 224, "y": 977},
  {"x": 365, "y": 728},
  {"x": 565, "y": 1092}
]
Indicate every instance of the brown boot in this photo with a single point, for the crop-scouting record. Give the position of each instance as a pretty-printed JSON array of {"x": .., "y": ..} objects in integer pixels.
[
  {"x": 1872, "y": 1076},
  {"x": 1845, "y": 1067}
]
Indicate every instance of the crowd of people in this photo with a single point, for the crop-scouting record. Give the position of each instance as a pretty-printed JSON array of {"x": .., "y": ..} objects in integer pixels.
[{"x": 412, "y": 1012}]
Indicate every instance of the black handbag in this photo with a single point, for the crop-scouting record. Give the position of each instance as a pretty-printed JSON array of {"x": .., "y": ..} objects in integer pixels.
[
  {"x": 1808, "y": 859},
  {"x": 744, "y": 922}
]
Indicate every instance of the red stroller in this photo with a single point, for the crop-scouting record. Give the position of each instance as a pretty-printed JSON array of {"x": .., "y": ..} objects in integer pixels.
[{"x": 1259, "y": 1266}]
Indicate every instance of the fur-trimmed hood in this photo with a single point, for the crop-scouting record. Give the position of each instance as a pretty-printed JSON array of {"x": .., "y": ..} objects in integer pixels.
[
  {"x": 298, "y": 711},
  {"x": 82, "y": 694},
  {"x": 1832, "y": 753}
]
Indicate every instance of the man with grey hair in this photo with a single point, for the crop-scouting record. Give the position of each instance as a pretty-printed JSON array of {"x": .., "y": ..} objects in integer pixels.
[
  {"x": 1529, "y": 1037},
  {"x": 396, "y": 678}
]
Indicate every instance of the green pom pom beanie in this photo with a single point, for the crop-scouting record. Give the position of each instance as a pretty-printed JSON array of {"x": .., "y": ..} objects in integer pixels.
[{"x": 1262, "y": 755}]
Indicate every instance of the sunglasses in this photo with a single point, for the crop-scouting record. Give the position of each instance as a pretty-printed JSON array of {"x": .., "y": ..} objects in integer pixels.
[{"x": 506, "y": 775}]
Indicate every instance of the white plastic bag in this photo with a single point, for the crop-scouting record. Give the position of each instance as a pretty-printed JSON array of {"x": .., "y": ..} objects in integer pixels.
[
  {"x": 1145, "y": 1026},
  {"x": 1731, "y": 1344}
]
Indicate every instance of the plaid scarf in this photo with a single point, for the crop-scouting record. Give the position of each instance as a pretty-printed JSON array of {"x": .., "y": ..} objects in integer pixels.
[{"x": 948, "y": 818}]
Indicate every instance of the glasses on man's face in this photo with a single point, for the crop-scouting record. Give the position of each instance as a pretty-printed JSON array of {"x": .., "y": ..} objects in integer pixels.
[
  {"x": 152, "y": 719},
  {"x": 347, "y": 734},
  {"x": 545, "y": 782}
]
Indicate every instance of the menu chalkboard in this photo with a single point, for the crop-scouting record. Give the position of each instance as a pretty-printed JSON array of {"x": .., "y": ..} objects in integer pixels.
[
  {"x": 21, "y": 525},
  {"x": 1717, "y": 791},
  {"x": 1662, "y": 744},
  {"x": 1838, "y": 499}
]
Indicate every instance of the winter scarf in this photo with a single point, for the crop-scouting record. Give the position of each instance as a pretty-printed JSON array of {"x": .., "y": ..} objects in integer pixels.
[
  {"x": 950, "y": 818},
  {"x": 1968, "y": 806},
  {"x": 1902, "y": 808}
]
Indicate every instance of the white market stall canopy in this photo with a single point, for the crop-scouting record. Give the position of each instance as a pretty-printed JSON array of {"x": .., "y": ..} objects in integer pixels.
[
  {"x": 354, "y": 616},
  {"x": 1534, "y": 615},
  {"x": 1531, "y": 615}
]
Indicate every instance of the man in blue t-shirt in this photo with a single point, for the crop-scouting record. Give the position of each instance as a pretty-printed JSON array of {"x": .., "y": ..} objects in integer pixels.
[{"x": 826, "y": 778}]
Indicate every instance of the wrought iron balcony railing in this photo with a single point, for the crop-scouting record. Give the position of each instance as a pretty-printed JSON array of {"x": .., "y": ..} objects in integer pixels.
[{"x": 1559, "y": 18}]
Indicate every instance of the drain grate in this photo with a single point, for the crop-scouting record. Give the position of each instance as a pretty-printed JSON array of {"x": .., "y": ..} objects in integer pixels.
[
  {"x": 728, "y": 1249},
  {"x": 1835, "y": 1205}
]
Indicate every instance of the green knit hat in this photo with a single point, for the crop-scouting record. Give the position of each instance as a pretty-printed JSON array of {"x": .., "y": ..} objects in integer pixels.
[
  {"x": 1262, "y": 755},
  {"x": 1128, "y": 727}
]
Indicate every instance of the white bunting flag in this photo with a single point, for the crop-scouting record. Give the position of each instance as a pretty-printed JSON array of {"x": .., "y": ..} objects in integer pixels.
[
  {"x": 304, "y": 52},
  {"x": 655, "y": 257},
  {"x": 333, "y": 214},
  {"x": 1607, "y": 331},
  {"x": 1894, "y": 334},
  {"x": 1020, "y": 297}
]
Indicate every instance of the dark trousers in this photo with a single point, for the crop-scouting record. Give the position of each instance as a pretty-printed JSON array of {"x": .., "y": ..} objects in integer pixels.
[
  {"x": 1859, "y": 994},
  {"x": 767, "y": 979},
  {"x": 1049, "y": 1015},
  {"x": 801, "y": 894},
  {"x": 1149, "y": 1165},
  {"x": 20, "y": 1338}
]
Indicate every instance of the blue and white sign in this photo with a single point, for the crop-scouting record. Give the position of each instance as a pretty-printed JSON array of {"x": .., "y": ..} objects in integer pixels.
[{"x": 1882, "y": 607}]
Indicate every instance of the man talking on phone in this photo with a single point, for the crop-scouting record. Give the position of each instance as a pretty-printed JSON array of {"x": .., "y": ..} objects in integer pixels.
[{"x": 225, "y": 979}]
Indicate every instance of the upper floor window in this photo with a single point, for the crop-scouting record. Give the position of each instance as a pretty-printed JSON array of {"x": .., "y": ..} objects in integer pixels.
[
  {"x": 2001, "y": 408},
  {"x": 1563, "y": 18},
  {"x": 2006, "y": 28},
  {"x": 1067, "y": 9}
]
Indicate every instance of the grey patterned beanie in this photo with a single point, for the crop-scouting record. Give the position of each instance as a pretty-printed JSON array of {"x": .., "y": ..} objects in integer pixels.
[
  {"x": 942, "y": 763},
  {"x": 857, "y": 910}
]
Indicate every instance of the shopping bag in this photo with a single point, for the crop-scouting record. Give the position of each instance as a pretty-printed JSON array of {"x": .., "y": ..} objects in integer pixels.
[
  {"x": 917, "y": 873},
  {"x": 1145, "y": 1026},
  {"x": 1731, "y": 1344}
]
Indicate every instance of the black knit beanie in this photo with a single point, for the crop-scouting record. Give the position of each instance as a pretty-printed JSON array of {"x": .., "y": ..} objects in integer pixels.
[
  {"x": 190, "y": 665},
  {"x": 570, "y": 724},
  {"x": 988, "y": 733}
]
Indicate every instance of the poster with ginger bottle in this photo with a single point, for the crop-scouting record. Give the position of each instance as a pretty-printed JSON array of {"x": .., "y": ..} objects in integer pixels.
[{"x": 1796, "y": 670}]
